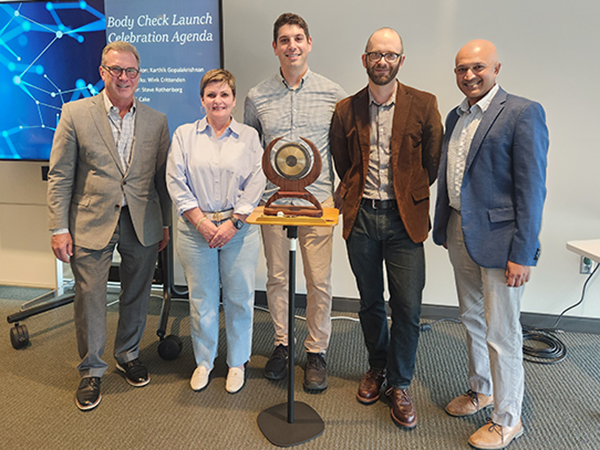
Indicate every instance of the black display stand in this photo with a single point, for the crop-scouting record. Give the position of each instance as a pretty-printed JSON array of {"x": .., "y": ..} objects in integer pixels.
[{"x": 301, "y": 423}]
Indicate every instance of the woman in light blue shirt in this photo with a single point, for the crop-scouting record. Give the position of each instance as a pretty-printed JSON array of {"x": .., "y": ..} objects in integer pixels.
[{"x": 215, "y": 179}]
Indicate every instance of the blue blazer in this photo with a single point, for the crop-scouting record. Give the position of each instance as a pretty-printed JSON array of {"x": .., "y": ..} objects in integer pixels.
[{"x": 504, "y": 185}]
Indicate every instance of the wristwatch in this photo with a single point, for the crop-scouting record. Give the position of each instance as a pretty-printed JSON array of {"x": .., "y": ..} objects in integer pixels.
[{"x": 237, "y": 222}]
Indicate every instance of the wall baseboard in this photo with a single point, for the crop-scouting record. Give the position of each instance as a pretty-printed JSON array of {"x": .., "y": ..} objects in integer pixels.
[{"x": 433, "y": 312}]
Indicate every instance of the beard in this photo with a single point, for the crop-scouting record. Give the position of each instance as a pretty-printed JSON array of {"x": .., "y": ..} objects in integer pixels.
[{"x": 383, "y": 79}]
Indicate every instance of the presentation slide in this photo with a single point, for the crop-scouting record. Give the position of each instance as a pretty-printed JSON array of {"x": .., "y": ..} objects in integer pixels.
[{"x": 178, "y": 42}]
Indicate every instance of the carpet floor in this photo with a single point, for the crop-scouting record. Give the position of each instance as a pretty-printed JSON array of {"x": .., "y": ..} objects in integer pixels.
[{"x": 561, "y": 408}]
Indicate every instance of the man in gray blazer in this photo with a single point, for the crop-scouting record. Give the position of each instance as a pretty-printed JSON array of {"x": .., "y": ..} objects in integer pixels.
[
  {"x": 491, "y": 191},
  {"x": 106, "y": 189}
]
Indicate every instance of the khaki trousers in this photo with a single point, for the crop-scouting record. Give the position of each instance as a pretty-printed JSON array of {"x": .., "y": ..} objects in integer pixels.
[{"x": 316, "y": 245}]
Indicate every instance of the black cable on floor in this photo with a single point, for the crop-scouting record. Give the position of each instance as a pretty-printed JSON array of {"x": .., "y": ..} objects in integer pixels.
[{"x": 553, "y": 350}]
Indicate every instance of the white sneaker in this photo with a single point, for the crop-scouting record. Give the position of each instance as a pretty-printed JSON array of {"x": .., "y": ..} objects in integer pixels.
[
  {"x": 200, "y": 378},
  {"x": 235, "y": 379}
]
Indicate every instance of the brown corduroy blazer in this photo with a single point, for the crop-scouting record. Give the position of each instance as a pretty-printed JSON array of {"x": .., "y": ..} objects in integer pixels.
[{"x": 415, "y": 154}]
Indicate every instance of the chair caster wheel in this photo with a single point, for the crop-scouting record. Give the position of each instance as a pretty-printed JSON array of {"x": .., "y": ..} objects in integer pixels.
[
  {"x": 19, "y": 336},
  {"x": 170, "y": 347}
]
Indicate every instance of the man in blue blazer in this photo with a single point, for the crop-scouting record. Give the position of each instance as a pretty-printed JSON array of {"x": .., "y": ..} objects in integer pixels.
[{"x": 491, "y": 191}]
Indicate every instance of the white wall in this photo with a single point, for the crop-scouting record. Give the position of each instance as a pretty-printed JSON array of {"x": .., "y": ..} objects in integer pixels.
[
  {"x": 25, "y": 255},
  {"x": 548, "y": 49}
]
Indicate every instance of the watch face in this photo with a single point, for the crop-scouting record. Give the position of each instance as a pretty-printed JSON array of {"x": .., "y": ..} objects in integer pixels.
[{"x": 237, "y": 223}]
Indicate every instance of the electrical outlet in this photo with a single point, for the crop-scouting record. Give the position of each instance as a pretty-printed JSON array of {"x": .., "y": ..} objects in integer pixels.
[{"x": 586, "y": 265}]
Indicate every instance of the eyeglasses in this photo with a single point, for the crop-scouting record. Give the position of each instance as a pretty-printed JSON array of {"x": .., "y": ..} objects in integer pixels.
[
  {"x": 389, "y": 57},
  {"x": 116, "y": 71}
]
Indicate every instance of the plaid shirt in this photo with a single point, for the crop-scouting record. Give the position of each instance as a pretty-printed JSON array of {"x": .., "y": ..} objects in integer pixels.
[
  {"x": 274, "y": 110},
  {"x": 123, "y": 133},
  {"x": 379, "y": 184}
]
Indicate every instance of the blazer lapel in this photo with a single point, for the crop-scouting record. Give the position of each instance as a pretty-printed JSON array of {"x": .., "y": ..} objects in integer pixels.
[
  {"x": 140, "y": 130},
  {"x": 489, "y": 117},
  {"x": 101, "y": 121},
  {"x": 401, "y": 110},
  {"x": 450, "y": 124},
  {"x": 363, "y": 126}
]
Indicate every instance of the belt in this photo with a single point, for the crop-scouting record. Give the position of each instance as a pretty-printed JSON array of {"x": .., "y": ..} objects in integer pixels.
[
  {"x": 378, "y": 204},
  {"x": 218, "y": 216}
]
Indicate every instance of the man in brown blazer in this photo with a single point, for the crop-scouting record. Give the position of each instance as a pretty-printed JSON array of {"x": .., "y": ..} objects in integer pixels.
[
  {"x": 106, "y": 189},
  {"x": 385, "y": 142}
]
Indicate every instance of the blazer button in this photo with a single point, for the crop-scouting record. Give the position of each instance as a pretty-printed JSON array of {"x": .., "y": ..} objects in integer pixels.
[
  {"x": 117, "y": 206},
  {"x": 123, "y": 182}
]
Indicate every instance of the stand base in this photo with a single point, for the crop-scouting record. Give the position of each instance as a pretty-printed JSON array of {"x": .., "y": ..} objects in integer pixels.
[{"x": 274, "y": 425}]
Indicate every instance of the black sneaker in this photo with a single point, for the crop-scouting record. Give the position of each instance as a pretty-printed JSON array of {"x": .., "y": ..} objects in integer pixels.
[
  {"x": 315, "y": 374},
  {"x": 88, "y": 393},
  {"x": 135, "y": 373},
  {"x": 276, "y": 367}
]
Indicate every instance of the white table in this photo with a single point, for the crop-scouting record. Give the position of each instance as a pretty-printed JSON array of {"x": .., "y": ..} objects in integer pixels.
[{"x": 589, "y": 248}]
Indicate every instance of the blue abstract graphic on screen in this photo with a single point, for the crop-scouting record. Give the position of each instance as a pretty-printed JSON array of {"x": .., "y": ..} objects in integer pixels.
[{"x": 49, "y": 55}]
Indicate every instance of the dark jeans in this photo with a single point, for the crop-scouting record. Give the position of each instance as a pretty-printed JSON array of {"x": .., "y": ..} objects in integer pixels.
[{"x": 380, "y": 235}]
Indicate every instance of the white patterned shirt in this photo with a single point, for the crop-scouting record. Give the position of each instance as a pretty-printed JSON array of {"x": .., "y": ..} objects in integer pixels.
[{"x": 460, "y": 143}]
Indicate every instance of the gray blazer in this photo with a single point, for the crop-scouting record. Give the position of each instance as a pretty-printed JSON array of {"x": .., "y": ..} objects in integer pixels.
[{"x": 86, "y": 182}]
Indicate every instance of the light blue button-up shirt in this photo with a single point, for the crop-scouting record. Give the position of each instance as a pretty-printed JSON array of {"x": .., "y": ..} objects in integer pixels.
[{"x": 215, "y": 174}]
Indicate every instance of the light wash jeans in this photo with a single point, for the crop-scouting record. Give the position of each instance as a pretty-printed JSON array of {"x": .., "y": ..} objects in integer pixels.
[
  {"x": 207, "y": 269},
  {"x": 490, "y": 311}
]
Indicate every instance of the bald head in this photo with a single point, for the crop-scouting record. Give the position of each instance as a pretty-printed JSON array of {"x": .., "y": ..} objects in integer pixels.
[
  {"x": 478, "y": 48},
  {"x": 383, "y": 57},
  {"x": 476, "y": 69},
  {"x": 387, "y": 35}
]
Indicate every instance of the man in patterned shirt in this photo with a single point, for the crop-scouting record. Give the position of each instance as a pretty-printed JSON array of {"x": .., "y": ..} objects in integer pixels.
[{"x": 292, "y": 103}]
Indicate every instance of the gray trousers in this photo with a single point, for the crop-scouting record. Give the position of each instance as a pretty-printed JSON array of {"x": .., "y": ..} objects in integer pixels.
[
  {"x": 490, "y": 311},
  {"x": 91, "y": 268}
]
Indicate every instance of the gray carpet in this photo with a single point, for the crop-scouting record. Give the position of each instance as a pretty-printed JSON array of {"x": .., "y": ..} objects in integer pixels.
[{"x": 37, "y": 386}]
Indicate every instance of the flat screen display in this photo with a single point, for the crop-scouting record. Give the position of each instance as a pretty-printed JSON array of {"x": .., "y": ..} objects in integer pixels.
[{"x": 49, "y": 55}]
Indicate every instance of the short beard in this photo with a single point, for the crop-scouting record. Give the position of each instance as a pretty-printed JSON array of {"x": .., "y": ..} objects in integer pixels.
[{"x": 382, "y": 80}]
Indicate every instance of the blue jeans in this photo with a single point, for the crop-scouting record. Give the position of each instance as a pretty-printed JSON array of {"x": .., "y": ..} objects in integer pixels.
[
  {"x": 378, "y": 236},
  {"x": 207, "y": 269}
]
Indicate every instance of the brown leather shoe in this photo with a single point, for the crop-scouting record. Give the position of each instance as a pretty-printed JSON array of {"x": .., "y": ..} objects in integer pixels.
[
  {"x": 403, "y": 411},
  {"x": 492, "y": 436},
  {"x": 468, "y": 404},
  {"x": 370, "y": 386}
]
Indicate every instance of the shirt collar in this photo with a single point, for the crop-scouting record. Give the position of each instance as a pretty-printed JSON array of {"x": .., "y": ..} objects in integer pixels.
[
  {"x": 302, "y": 81},
  {"x": 234, "y": 127},
  {"x": 391, "y": 100},
  {"x": 108, "y": 106},
  {"x": 482, "y": 104}
]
